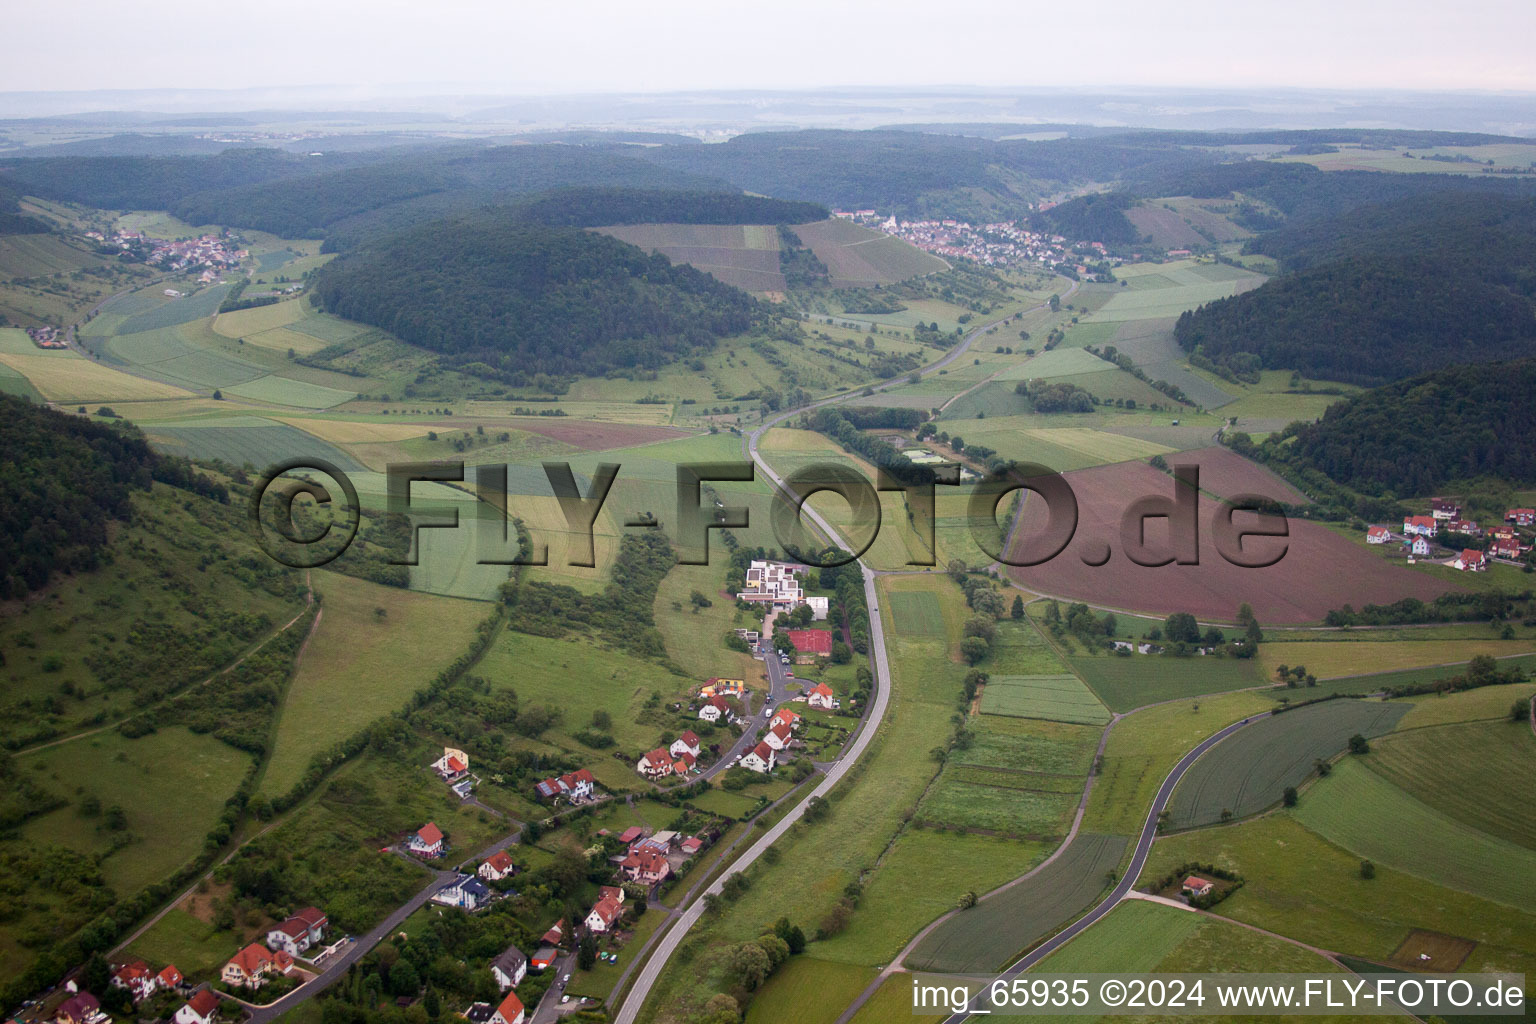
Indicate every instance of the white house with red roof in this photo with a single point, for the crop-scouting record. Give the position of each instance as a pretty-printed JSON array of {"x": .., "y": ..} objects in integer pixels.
[
  {"x": 137, "y": 978},
  {"x": 646, "y": 866},
  {"x": 715, "y": 709},
  {"x": 1471, "y": 560},
  {"x": 299, "y": 932},
  {"x": 1419, "y": 547},
  {"x": 687, "y": 743},
  {"x": 452, "y": 764},
  {"x": 1194, "y": 885},
  {"x": 202, "y": 1008},
  {"x": 169, "y": 978},
  {"x": 778, "y": 736},
  {"x": 426, "y": 843},
  {"x": 684, "y": 764},
  {"x": 253, "y": 965},
  {"x": 1378, "y": 535},
  {"x": 1505, "y": 548},
  {"x": 1420, "y": 526},
  {"x": 655, "y": 764},
  {"x": 510, "y": 1011},
  {"x": 573, "y": 786},
  {"x": 604, "y": 915},
  {"x": 1521, "y": 516},
  {"x": 760, "y": 758},
  {"x": 692, "y": 845},
  {"x": 821, "y": 696},
  {"x": 497, "y": 866},
  {"x": 785, "y": 716}
]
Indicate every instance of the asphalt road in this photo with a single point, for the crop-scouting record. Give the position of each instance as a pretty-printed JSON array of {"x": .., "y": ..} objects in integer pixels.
[
  {"x": 780, "y": 687},
  {"x": 1127, "y": 880}
]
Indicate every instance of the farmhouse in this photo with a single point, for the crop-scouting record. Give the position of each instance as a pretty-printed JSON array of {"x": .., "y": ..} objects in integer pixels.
[
  {"x": 466, "y": 891},
  {"x": 509, "y": 968},
  {"x": 773, "y": 584},
  {"x": 687, "y": 743},
  {"x": 299, "y": 932},
  {"x": 1420, "y": 526},
  {"x": 646, "y": 866},
  {"x": 426, "y": 843},
  {"x": 510, "y": 1011},
  {"x": 1444, "y": 509},
  {"x": 604, "y": 915},
  {"x": 137, "y": 978},
  {"x": 202, "y": 1008},
  {"x": 1194, "y": 885},
  {"x": 759, "y": 759},
  {"x": 821, "y": 697},
  {"x": 655, "y": 764},
  {"x": 452, "y": 764},
  {"x": 716, "y": 710},
  {"x": 1471, "y": 560},
  {"x": 778, "y": 736},
  {"x": 1378, "y": 535},
  {"x": 498, "y": 866},
  {"x": 574, "y": 786}
]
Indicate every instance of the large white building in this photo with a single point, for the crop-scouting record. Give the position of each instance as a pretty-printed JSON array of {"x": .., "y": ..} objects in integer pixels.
[{"x": 773, "y": 583}]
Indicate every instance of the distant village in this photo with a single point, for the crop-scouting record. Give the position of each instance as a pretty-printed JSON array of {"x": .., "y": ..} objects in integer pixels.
[
  {"x": 211, "y": 252},
  {"x": 1001, "y": 244},
  {"x": 1471, "y": 547}
]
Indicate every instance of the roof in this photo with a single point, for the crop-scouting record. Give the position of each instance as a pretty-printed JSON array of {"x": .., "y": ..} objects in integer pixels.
[
  {"x": 1471, "y": 555},
  {"x": 169, "y": 976},
  {"x": 647, "y": 861},
  {"x": 608, "y": 909},
  {"x": 204, "y": 1002},
  {"x": 781, "y": 730},
  {"x": 718, "y": 702},
  {"x": 579, "y": 775},
  {"x": 430, "y": 834},
  {"x": 1419, "y": 521},
  {"x": 692, "y": 844},
  {"x": 510, "y": 961},
  {"x": 132, "y": 971},
  {"x": 689, "y": 737},
  {"x": 455, "y": 765},
  {"x": 1195, "y": 882},
  {"x": 500, "y": 861},
  {"x": 478, "y": 1013},
  {"x": 786, "y": 716},
  {"x": 251, "y": 958},
  {"x": 763, "y": 751},
  {"x": 543, "y": 956},
  {"x": 79, "y": 1005},
  {"x": 658, "y": 759},
  {"x": 1377, "y": 531},
  {"x": 630, "y": 834},
  {"x": 510, "y": 1007},
  {"x": 555, "y": 934},
  {"x": 810, "y": 641},
  {"x": 821, "y": 690}
]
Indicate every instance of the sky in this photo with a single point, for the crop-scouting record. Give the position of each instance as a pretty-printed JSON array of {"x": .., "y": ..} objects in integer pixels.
[{"x": 605, "y": 46}]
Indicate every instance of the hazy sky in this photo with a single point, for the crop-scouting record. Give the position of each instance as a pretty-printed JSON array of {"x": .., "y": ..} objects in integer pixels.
[{"x": 661, "y": 45}]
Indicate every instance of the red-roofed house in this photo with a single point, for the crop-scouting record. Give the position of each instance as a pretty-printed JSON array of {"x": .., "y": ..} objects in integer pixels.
[
  {"x": 498, "y": 866},
  {"x": 556, "y": 933},
  {"x": 1423, "y": 526},
  {"x": 684, "y": 764},
  {"x": 687, "y": 743},
  {"x": 299, "y": 932},
  {"x": 811, "y": 642},
  {"x": 137, "y": 978},
  {"x": 1378, "y": 535},
  {"x": 615, "y": 892},
  {"x": 716, "y": 710},
  {"x": 778, "y": 736},
  {"x": 1509, "y": 548},
  {"x": 1419, "y": 547},
  {"x": 1471, "y": 560},
  {"x": 632, "y": 833},
  {"x": 452, "y": 764},
  {"x": 426, "y": 843},
  {"x": 77, "y": 1009},
  {"x": 605, "y": 914},
  {"x": 578, "y": 784},
  {"x": 1466, "y": 526},
  {"x": 202, "y": 1008},
  {"x": 786, "y": 716},
  {"x": 821, "y": 697},
  {"x": 250, "y": 967},
  {"x": 1521, "y": 516},
  {"x": 759, "y": 759},
  {"x": 646, "y": 866},
  {"x": 1196, "y": 886},
  {"x": 655, "y": 764},
  {"x": 510, "y": 1011},
  {"x": 692, "y": 845},
  {"x": 169, "y": 978}
]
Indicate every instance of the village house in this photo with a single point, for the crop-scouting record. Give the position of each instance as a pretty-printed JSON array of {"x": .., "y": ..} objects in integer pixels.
[
  {"x": 1420, "y": 526},
  {"x": 1502, "y": 532},
  {"x": 655, "y": 764},
  {"x": 604, "y": 915},
  {"x": 1378, "y": 535},
  {"x": 136, "y": 978},
  {"x": 759, "y": 759},
  {"x": 687, "y": 743},
  {"x": 574, "y": 786},
  {"x": 810, "y": 644},
  {"x": 1521, "y": 516},
  {"x": 1505, "y": 548},
  {"x": 81, "y": 1008},
  {"x": 1471, "y": 560},
  {"x": 715, "y": 709},
  {"x": 784, "y": 716},
  {"x": 466, "y": 891},
  {"x": 253, "y": 965},
  {"x": 1444, "y": 509},
  {"x": 692, "y": 845},
  {"x": 684, "y": 764},
  {"x": 556, "y": 934},
  {"x": 510, "y": 968},
  {"x": 1194, "y": 885},
  {"x": 452, "y": 764},
  {"x": 821, "y": 697},
  {"x": 202, "y": 1008},
  {"x": 646, "y": 866},
  {"x": 1418, "y": 547},
  {"x": 426, "y": 843},
  {"x": 169, "y": 979},
  {"x": 778, "y": 736},
  {"x": 510, "y": 1011},
  {"x": 299, "y": 932},
  {"x": 497, "y": 866},
  {"x": 479, "y": 1013},
  {"x": 1466, "y": 526}
]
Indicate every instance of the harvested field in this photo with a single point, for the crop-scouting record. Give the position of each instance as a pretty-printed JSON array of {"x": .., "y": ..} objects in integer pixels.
[
  {"x": 1224, "y": 472},
  {"x": 1317, "y": 571},
  {"x": 861, "y": 257},
  {"x": 73, "y": 379},
  {"x": 1432, "y": 951},
  {"x": 746, "y": 256},
  {"x": 594, "y": 436}
]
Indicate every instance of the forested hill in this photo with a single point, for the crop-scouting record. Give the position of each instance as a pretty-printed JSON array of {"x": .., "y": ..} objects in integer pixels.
[
  {"x": 64, "y": 479},
  {"x": 506, "y": 299},
  {"x": 590, "y": 207},
  {"x": 1385, "y": 292},
  {"x": 1413, "y": 436}
]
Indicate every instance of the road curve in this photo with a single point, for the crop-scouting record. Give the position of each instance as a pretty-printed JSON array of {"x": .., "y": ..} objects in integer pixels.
[{"x": 1132, "y": 872}]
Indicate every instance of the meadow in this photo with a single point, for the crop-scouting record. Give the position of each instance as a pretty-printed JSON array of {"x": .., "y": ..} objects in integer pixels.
[
  {"x": 1330, "y": 658},
  {"x": 1059, "y": 698},
  {"x": 807, "y": 991},
  {"x": 1131, "y": 681},
  {"x": 1132, "y": 938},
  {"x": 1249, "y": 770},
  {"x": 71, "y": 378},
  {"x": 1003, "y": 805}
]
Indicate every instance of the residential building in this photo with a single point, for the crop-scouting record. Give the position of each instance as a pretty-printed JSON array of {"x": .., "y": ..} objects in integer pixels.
[
  {"x": 1506, "y": 548},
  {"x": 646, "y": 866},
  {"x": 169, "y": 978},
  {"x": 1466, "y": 526},
  {"x": 1378, "y": 535},
  {"x": 692, "y": 845},
  {"x": 1471, "y": 560},
  {"x": 556, "y": 934},
  {"x": 466, "y": 891},
  {"x": 715, "y": 709},
  {"x": 137, "y": 978},
  {"x": 479, "y": 1013},
  {"x": 684, "y": 764},
  {"x": 604, "y": 915},
  {"x": 778, "y": 736},
  {"x": 573, "y": 786},
  {"x": 1444, "y": 509},
  {"x": 510, "y": 968},
  {"x": 510, "y": 1011},
  {"x": 253, "y": 965},
  {"x": 821, "y": 696},
  {"x": 452, "y": 764},
  {"x": 202, "y": 1008},
  {"x": 759, "y": 759},
  {"x": 611, "y": 891},
  {"x": 1420, "y": 526},
  {"x": 79, "y": 1008},
  {"x": 299, "y": 932},
  {"x": 498, "y": 866},
  {"x": 1521, "y": 516},
  {"x": 1419, "y": 547},
  {"x": 687, "y": 743},
  {"x": 1194, "y": 885},
  {"x": 785, "y": 716},
  {"x": 655, "y": 764},
  {"x": 426, "y": 843}
]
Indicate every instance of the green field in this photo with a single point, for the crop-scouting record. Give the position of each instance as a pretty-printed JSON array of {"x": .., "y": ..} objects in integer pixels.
[
  {"x": 1132, "y": 938},
  {"x": 1376, "y": 682},
  {"x": 1363, "y": 812},
  {"x": 808, "y": 991},
  {"x": 1058, "y": 698},
  {"x": 1249, "y": 770},
  {"x": 360, "y": 665},
  {"x": 245, "y": 440},
  {"x": 1029, "y": 745},
  {"x": 998, "y": 803},
  {"x": 917, "y": 614},
  {"x": 287, "y": 391},
  {"x": 1019, "y": 649},
  {"x": 1441, "y": 765},
  {"x": 997, "y": 929},
  {"x": 1124, "y": 683},
  {"x": 196, "y": 947}
]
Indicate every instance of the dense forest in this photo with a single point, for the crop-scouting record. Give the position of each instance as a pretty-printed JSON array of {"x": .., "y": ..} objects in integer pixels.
[
  {"x": 509, "y": 300},
  {"x": 592, "y": 206},
  {"x": 1413, "y": 436},
  {"x": 12, "y": 220},
  {"x": 1099, "y": 217},
  {"x": 1385, "y": 292}
]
